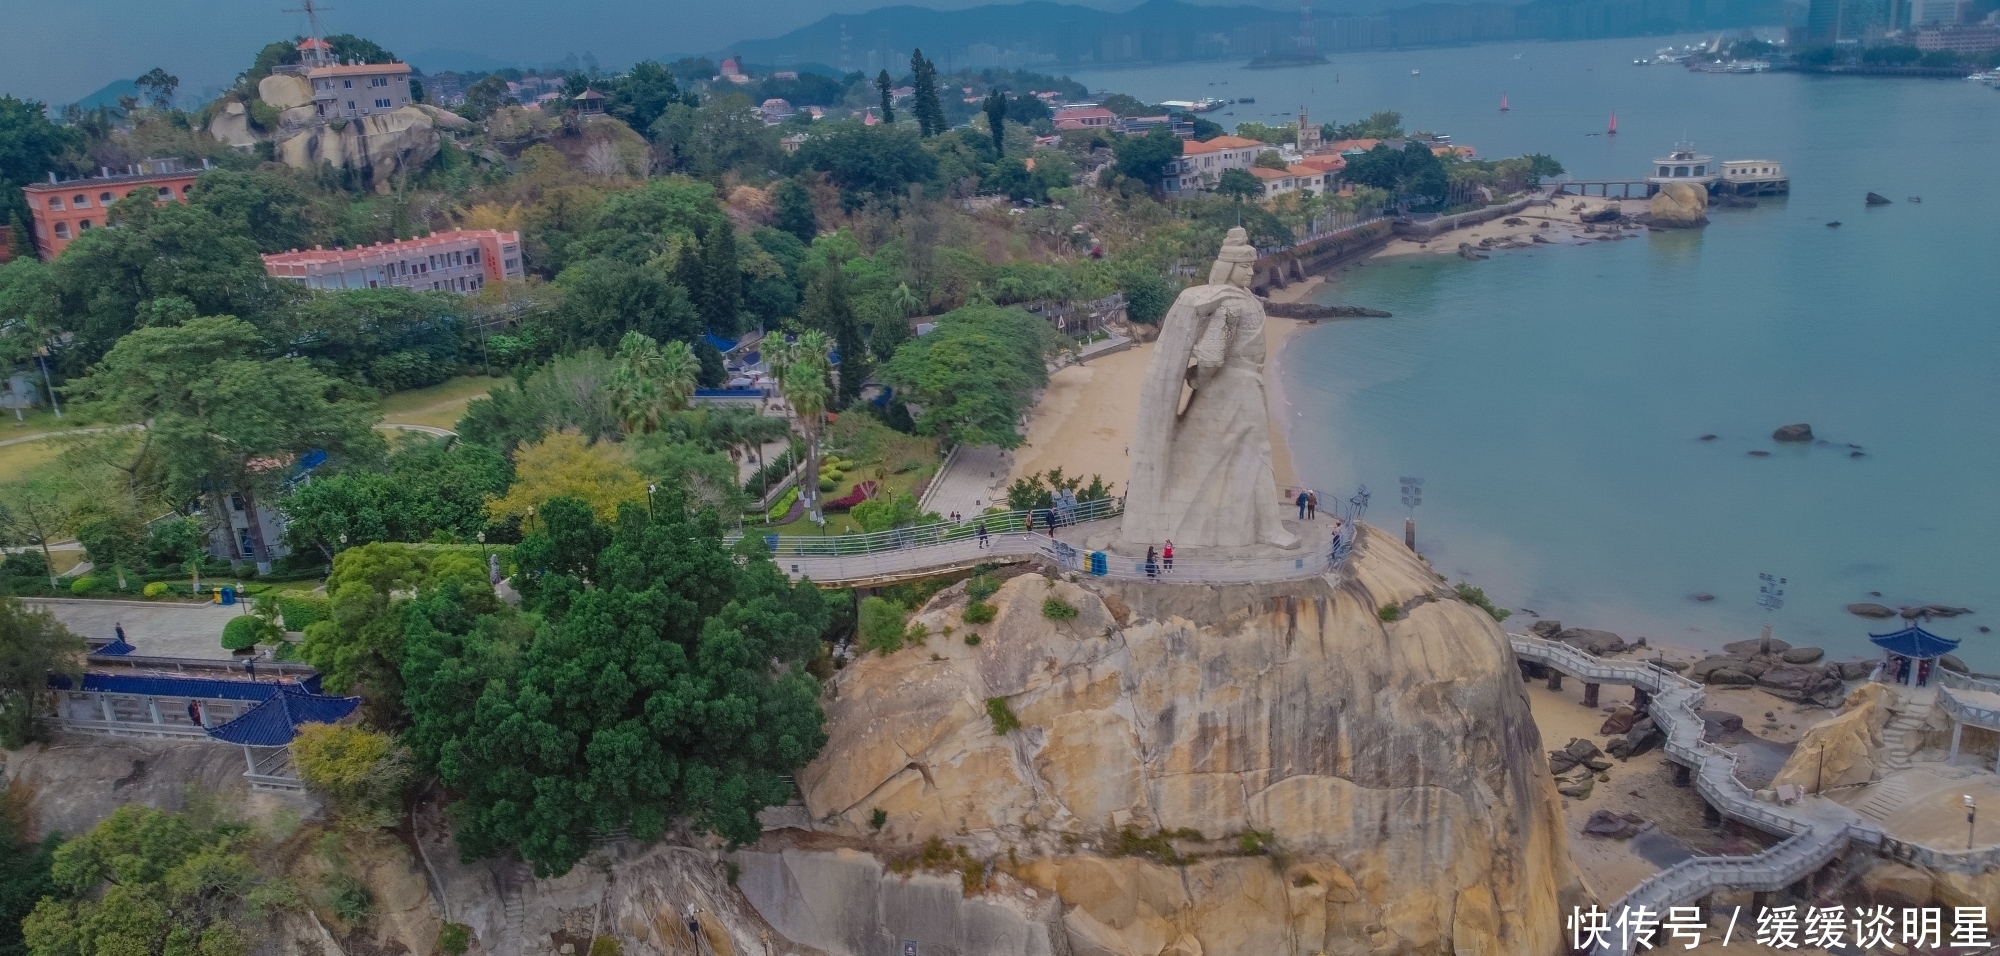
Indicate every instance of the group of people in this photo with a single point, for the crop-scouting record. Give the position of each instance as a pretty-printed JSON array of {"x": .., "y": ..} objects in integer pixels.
[
  {"x": 1308, "y": 502},
  {"x": 1159, "y": 561}
]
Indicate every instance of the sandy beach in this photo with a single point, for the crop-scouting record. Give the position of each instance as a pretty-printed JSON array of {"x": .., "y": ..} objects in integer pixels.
[{"x": 1554, "y": 225}]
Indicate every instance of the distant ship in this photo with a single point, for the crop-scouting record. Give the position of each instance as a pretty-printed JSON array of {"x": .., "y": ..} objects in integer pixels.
[
  {"x": 1613, "y": 131},
  {"x": 1193, "y": 106},
  {"x": 1416, "y": 73},
  {"x": 1503, "y": 102}
]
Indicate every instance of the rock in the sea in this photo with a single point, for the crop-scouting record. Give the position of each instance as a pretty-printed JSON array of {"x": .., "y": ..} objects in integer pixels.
[
  {"x": 1801, "y": 685},
  {"x": 1854, "y": 670},
  {"x": 1945, "y": 610},
  {"x": 1951, "y": 663},
  {"x": 1729, "y": 677},
  {"x": 1756, "y": 646},
  {"x": 1679, "y": 206},
  {"x": 1547, "y": 628},
  {"x": 1413, "y": 773},
  {"x": 1596, "y": 642},
  {"x": 1877, "y": 199},
  {"x": 1466, "y": 251},
  {"x": 1613, "y": 826},
  {"x": 1803, "y": 655},
  {"x": 1796, "y": 432},
  {"x": 1760, "y": 453},
  {"x": 1309, "y": 310},
  {"x": 1865, "y": 609},
  {"x": 1609, "y": 212},
  {"x": 1703, "y": 597},
  {"x": 1709, "y": 437}
]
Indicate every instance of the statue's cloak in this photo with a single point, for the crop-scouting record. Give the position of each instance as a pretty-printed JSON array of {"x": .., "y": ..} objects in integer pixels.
[{"x": 1202, "y": 476}]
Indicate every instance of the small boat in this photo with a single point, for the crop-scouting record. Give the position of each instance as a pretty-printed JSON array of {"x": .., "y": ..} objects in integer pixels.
[
  {"x": 1246, "y": 99},
  {"x": 1916, "y": 199},
  {"x": 1613, "y": 131},
  {"x": 1503, "y": 102},
  {"x": 1834, "y": 224},
  {"x": 1416, "y": 73}
]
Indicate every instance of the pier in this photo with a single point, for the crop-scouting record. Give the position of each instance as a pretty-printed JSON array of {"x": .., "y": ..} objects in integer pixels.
[{"x": 1625, "y": 188}]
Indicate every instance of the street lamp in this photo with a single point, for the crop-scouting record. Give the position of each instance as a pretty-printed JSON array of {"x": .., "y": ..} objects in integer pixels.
[
  {"x": 1413, "y": 495},
  {"x": 1770, "y": 597},
  {"x": 1971, "y": 819}
]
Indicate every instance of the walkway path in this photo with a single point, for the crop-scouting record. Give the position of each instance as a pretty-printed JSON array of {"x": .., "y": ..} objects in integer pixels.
[
  {"x": 974, "y": 480},
  {"x": 407, "y": 427},
  {"x": 157, "y": 630},
  {"x": 1815, "y": 829}
]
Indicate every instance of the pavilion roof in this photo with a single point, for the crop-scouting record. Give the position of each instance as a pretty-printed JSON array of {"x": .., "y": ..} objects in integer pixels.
[
  {"x": 1914, "y": 641},
  {"x": 277, "y": 720}
]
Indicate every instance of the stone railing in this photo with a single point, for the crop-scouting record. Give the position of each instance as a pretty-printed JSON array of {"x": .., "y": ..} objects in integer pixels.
[
  {"x": 1810, "y": 839},
  {"x": 1953, "y": 699}
]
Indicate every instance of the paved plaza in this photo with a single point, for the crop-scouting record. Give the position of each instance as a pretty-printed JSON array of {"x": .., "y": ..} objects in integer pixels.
[{"x": 155, "y": 630}]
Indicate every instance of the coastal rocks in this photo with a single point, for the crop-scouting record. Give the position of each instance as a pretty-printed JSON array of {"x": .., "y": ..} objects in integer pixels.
[
  {"x": 1877, "y": 199},
  {"x": 1793, "y": 433},
  {"x": 1546, "y": 629},
  {"x": 1596, "y": 642},
  {"x": 1802, "y": 655},
  {"x": 1579, "y": 751},
  {"x": 1757, "y": 645},
  {"x": 1620, "y": 721},
  {"x": 231, "y": 125},
  {"x": 1896, "y": 884},
  {"x": 1841, "y": 750},
  {"x": 1801, "y": 685},
  {"x": 1951, "y": 663},
  {"x": 1608, "y": 825},
  {"x": 1414, "y": 769},
  {"x": 1578, "y": 789},
  {"x": 1608, "y": 212},
  {"x": 1309, "y": 310},
  {"x": 1716, "y": 723},
  {"x": 1466, "y": 251},
  {"x": 1678, "y": 206},
  {"x": 1865, "y": 609},
  {"x": 1702, "y": 597},
  {"x": 1644, "y": 736}
]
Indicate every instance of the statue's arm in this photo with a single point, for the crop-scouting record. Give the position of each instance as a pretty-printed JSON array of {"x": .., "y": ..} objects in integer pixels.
[{"x": 1212, "y": 345}]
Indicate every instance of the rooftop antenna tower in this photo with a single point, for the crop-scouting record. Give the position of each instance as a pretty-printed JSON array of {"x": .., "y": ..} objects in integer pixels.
[{"x": 312, "y": 11}]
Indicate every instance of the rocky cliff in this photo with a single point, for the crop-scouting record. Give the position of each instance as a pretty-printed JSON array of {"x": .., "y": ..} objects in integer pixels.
[
  {"x": 1339, "y": 784},
  {"x": 378, "y": 145}
]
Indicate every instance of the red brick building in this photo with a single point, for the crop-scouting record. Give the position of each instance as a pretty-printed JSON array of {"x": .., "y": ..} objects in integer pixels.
[
  {"x": 62, "y": 210},
  {"x": 458, "y": 261}
]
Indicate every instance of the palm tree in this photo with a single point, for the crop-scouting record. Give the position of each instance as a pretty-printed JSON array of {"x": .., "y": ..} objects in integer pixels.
[
  {"x": 635, "y": 383},
  {"x": 677, "y": 372},
  {"x": 801, "y": 368},
  {"x": 905, "y": 300}
]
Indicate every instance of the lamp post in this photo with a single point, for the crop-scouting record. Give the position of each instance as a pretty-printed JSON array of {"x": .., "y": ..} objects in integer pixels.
[
  {"x": 1770, "y": 597},
  {"x": 650, "y": 488},
  {"x": 42, "y": 358},
  {"x": 1971, "y": 819},
  {"x": 1413, "y": 495}
]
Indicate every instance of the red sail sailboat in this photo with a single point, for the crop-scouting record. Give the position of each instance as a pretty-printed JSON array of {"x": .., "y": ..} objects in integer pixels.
[
  {"x": 1503, "y": 102},
  {"x": 1614, "y": 124}
]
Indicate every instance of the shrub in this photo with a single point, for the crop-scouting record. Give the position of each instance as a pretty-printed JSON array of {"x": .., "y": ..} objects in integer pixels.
[
  {"x": 972, "y": 640},
  {"x": 1477, "y": 597},
  {"x": 1057, "y": 609},
  {"x": 454, "y": 939},
  {"x": 350, "y": 899},
  {"x": 731, "y": 871},
  {"x": 783, "y": 505},
  {"x": 979, "y": 612},
  {"x": 1254, "y": 843},
  {"x": 606, "y": 946},
  {"x": 83, "y": 585},
  {"x": 154, "y": 588},
  {"x": 1003, "y": 718},
  {"x": 1129, "y": 841},
  {"x": 827, "y": 484},
  {"x": 1389, "y": 612},
  {"x": 881, "y": 625},
  {"x": 981, "y": 587},
  {"x": 303, "y": 611},
  {"x": 878, "y": 819},
  {"x": 972, "y": 876},
  {"x": 242, "y": 632},
  {"x": 362, "y": 771}
]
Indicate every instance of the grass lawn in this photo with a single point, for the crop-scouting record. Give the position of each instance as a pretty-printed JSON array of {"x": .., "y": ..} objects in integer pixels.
[
  {"x": 22, "y": 460},
  {"x": 904, "y": 483},
  {"x": 439, "y": 406},
  {"x": 34, "y": 421}
]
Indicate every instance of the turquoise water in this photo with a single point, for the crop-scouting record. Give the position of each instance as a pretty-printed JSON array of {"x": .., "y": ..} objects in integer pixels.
[{"x": 1553, "y": 398}]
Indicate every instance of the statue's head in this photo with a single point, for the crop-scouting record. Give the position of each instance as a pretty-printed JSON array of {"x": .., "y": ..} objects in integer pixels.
[{"x": 1235, "y": 264}]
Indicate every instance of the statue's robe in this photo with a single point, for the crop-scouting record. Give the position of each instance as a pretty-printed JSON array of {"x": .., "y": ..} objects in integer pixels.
[{"x": 1202, "y": 476}]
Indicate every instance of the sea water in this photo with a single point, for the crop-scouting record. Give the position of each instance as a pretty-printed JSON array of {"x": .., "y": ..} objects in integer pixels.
[{"x": 1554, "y": 399}]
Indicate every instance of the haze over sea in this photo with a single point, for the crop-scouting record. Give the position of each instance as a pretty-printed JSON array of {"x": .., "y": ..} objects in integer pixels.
[{"x": 1553, "y": 399}]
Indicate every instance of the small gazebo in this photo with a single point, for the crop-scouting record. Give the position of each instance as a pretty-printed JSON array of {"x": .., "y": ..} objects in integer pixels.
[
  {"x": 1911, "y": 655},
  {"x": 589, "y": 101}
]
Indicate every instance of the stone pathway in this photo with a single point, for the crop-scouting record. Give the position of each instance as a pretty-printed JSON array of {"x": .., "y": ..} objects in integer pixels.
[
  {"x": 975, "y": 479},
  {"x": 156, "y": 630}
]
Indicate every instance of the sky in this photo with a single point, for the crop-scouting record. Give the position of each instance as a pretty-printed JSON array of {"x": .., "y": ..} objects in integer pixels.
[{"x": 59, "y": 51}]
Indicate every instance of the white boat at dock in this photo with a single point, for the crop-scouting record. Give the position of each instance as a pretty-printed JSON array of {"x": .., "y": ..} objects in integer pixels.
[{"x": 1205, "y": 105}]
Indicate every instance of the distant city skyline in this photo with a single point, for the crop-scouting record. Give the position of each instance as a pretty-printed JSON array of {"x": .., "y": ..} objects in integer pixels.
[{"x": 40, "y": 60}]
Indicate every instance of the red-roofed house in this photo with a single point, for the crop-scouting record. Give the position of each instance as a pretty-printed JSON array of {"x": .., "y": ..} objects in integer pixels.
[
  {"x": 1201, "y": 164},
  {"x": 1351, "y": 145},
  {"x": 1073, "y": 118},
  {"x": 1278, "y": 182}
]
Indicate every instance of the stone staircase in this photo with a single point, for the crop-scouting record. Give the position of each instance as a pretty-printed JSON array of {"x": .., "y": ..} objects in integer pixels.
[
  {"x": 1896, "y": 737},
  {"x": 511, "y": 942},
  {"x": 1886, "y": 798}
]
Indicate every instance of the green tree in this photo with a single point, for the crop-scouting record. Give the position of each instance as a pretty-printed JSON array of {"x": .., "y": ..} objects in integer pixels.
[
  {"x": 24, "y": 868},
  {"x": 147, "y": 881},
  {"x": 571, "y": 392},
  {"x": 929, "y": 111},
  {"x": 864, "y": 161},
  {"x": 361, "y": 771},
  {"x": 1148, "y": 295},
  {"x": 31, "y": 146},
  {"x": 40, "y": 510},
  {"x": 158, "y": 86},
  {"x": 1239, "y": 185},
  {"x": 793, "y": 211},
  {"x": 887, "y": 88},
  {"x": 829, "y": 308},
  {"x": 995, "y": 109},
  {"x": 642, "y": 93},
  {"x": 1413, "y": 172},
  {"x": 1126, "y": 105},
  {"x": 665, "y": 678},
  {"x": 221, "y": 414},
  {"x": 389, "y": 339},
  {"x": 112, "y": 537},
  {"x": 485, "y": 97},
  {"x": 975, "y": 373},
  {"x": 360, "y": 643},
  {"x": 433, "y": 486},
  {"x": 267, "y": 205},
  {"x": 802, "y": 367},
  {"x": 726, "y": 133},
  {"x": 649, "y": 381},
  {"x": 1144, "y": 159},
  {"x": 605, "y": 298},
  {"x": 722, "y": 279},
  {"x": 33, "y": 645}
]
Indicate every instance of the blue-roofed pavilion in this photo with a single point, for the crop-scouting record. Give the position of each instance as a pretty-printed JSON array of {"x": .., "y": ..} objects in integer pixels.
[{"x": 1912, "y": 654}]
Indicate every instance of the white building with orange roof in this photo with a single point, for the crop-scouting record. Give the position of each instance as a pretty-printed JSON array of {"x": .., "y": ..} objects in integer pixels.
[
  {"x": 1291, "y": 179},
  {"x": 460, "y": 261},
  {"x": 1201, "y": 164}
]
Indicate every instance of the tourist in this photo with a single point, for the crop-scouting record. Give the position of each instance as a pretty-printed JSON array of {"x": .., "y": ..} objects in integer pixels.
[
  {"x": 1302, "y": 505},
  {"x": 119, "y": 629},
  {"x": 981, "y": 531},
  {"x": 1152, "y": 564},
  {"x": 194, "y": 713},
  {"x": 1168, "y": 555},
  {"x": 1312, "y": 506}
]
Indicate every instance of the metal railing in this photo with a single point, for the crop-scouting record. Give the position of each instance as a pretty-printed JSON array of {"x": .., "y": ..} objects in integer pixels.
[
  {"x": 940, "y": 533},
  {"x": 1965, "y": 710}
]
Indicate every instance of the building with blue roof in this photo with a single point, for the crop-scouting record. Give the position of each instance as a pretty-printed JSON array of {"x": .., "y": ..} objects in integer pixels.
[{"x": 1912, "y": 653}]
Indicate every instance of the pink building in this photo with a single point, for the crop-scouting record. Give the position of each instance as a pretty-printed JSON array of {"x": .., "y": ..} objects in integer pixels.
[
  {"x": 1084, "y": 117},
  {"x": 458, "y": 261}
]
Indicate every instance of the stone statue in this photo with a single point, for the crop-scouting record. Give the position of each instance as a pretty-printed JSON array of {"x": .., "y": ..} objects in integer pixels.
[{"x": 1201, "y": 466}]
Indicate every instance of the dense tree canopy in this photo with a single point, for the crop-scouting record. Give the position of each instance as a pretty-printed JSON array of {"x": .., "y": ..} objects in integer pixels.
[
  {"x": 867, "y": 160},
  {"x": 33, "y": 645},
  {"x": 662, "y": 678},
  {"x": 974, "y": 374},
  {"x": 147, "y": 881}
]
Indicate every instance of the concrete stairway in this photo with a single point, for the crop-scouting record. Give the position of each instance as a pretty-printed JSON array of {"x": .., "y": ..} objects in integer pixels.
[
  {"x": 1886, "y": 798},
  {"x": 511, "y": 942},
  {"x": 1896, "y": 737}
]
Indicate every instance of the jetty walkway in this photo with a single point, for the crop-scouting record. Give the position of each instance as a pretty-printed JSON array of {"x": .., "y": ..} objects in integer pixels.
[
  {"x": 1815, "y": 829},
  {"x": 904, "y": 554}
]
